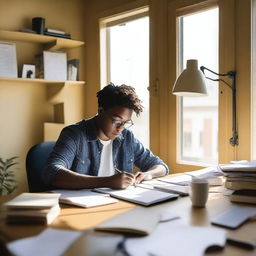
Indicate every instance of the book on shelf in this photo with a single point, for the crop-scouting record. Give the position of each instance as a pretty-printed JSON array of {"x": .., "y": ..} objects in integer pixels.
[
  {"x": 8, "y": 60},
  {"x": 53, "y": 30},
  {"x": 41, "y": 208},
  {"x": 51, "y": 65},
  {"x": 73, "y": 70},
  {"x": 67, "y": 36},
  {"x": 244, "y": 196},
  {"x": 83, "y": 198},
  {"x": 138, "y": 195}
]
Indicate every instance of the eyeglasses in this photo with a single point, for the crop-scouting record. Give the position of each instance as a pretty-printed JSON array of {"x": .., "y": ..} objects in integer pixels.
[{"x": 119, "y": 124}]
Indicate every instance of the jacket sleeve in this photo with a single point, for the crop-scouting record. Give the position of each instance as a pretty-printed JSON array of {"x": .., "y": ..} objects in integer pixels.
[
  {"x": 62, "y": 155},
  {"x": 144, "y": 158}
]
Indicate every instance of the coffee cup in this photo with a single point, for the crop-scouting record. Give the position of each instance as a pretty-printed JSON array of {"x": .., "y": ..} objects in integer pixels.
[{"x": 198, "y": 192}]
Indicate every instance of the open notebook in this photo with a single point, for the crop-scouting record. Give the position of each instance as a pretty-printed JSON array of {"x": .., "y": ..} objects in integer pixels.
[
  {"x": 83, "y": 198},
  {"x": 138, "y": 195}
]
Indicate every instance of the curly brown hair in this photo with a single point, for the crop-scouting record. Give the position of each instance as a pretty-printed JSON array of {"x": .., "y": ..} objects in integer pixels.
[{"x": 119, "y": 95}]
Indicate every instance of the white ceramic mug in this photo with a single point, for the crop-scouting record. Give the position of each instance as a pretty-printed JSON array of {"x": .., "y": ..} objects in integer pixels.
[{"x": 199, "y": 189}]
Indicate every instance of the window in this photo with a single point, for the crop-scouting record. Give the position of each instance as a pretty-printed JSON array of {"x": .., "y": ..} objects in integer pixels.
[
  {"x": 198, "y": 117},
  {"x": 127, "y": 62}
]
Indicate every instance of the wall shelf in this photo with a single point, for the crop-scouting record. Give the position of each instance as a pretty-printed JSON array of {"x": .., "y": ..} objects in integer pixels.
[
  {"x": 50, "y": 42},
  {"x": 39, "y": 81}
]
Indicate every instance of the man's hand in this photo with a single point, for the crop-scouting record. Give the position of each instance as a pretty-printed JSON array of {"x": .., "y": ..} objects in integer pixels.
[
  {"x": 141, "y": 176},
  {"x": 122, "y": 180}
]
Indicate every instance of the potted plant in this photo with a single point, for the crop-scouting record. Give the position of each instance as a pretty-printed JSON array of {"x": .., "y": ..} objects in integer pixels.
[{"x": 8, "y": 182}]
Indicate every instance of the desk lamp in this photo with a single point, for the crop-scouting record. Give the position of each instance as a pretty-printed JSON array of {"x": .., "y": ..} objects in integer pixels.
[{"x": 191, "y": 82}]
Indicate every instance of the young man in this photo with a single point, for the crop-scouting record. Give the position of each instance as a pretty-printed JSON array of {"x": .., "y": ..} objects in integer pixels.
[{"x": 101, "y": 151}]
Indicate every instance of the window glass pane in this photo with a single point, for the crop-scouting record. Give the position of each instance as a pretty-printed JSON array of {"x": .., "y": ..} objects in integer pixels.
[
  {"x": 128, "y": 63},
  {"x": 198, "y": 128}
]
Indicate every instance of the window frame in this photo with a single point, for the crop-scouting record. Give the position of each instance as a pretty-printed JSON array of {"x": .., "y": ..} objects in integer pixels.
[{"x": 227, "y": 47}]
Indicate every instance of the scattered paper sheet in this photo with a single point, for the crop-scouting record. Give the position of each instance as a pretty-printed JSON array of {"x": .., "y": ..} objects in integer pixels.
[
  {"x": 50, "y": 242},
  {"x": 179, "y": 240}
]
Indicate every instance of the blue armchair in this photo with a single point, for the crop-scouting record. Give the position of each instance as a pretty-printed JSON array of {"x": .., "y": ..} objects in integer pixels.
[{"x": 35, "y": 164}]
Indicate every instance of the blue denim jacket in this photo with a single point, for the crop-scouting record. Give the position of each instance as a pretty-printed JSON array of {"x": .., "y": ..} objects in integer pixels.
[{"x": 78, "y": 149}]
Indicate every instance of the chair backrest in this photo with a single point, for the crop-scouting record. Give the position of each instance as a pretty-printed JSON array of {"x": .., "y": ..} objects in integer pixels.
[{"x": 35, "y": 164}]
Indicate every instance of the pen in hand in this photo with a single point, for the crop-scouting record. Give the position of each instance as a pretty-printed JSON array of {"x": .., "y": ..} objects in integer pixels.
[{"x": 119, "y": 171}]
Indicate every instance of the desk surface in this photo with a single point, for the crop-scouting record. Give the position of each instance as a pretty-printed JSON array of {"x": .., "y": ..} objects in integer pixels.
[{"x": 80, "y": 219}]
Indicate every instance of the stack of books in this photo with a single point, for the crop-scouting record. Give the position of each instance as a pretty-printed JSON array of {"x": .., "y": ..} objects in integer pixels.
[
  {"x": 241, "y": 177},
  {"x": 57, "y": 33},
  {"x": 32, "y": 208}
]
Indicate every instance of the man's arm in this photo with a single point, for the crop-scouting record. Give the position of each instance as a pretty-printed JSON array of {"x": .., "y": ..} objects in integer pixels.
[
  {"x": 68, "y": 179},
  {"x": 155, "y": 171}
]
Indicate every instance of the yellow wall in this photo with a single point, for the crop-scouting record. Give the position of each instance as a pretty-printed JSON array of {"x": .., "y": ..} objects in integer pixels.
[{"x": 25, "y": 107}]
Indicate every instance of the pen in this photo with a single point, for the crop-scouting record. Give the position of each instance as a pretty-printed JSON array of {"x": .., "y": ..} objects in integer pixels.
[
  {"x": 117, "y": 170},
  {"x": 243, "y": 244}
]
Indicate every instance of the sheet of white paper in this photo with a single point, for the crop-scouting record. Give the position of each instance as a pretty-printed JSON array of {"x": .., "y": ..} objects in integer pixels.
[
  {"x": 210, "y": 173},
  {"x": 51, "y": 242},
  {"x": 174, "y": 239}
]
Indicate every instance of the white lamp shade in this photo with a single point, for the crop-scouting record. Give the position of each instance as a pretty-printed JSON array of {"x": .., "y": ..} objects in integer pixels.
[{"x": 191, "y": 81}]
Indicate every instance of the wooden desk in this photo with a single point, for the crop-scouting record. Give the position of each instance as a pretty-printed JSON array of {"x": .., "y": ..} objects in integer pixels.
[{"x": 80, "y": 219}]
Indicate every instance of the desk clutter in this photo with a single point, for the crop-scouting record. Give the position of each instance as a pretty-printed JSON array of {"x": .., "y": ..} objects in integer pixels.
[
  {"x": 139, "y": 231},
  {"x": 167, "y": 238}
]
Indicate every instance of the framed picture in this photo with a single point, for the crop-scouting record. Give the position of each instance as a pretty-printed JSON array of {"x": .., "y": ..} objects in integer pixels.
[{"x": 28, "y": 71}]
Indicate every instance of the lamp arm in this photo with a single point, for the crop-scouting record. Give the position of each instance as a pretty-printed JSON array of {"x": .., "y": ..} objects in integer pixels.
[{"x": 231, "y": 74}]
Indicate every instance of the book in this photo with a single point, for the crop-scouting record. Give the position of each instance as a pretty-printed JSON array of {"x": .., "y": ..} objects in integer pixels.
[
  {"x": 241, "y": 168},
  {"x": 67, "y": 36},
  {"x": 73, "y": 70},
  {"x": 238, "y": 185},
  {"x": 51, "y": 65},
  {"x": 166, "y": 187},
  {"x": 41, "y": 208},
  {"x": 83, "y": 198},
  {"x": 40, "y": 216},
  {"x": 176, "y": 189},
  {"x": 130, "y": 222},
  {"x": 51, "y": 30},
  {"x": 244, "y": 196},
  {"x": 33, "y": 201},
  {"x": 8, "y": 60},
  {"x": 138, "y": 195}
]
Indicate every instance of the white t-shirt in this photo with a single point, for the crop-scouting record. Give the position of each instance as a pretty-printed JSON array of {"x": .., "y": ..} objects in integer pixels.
[{"x": 106, "y": 159}]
